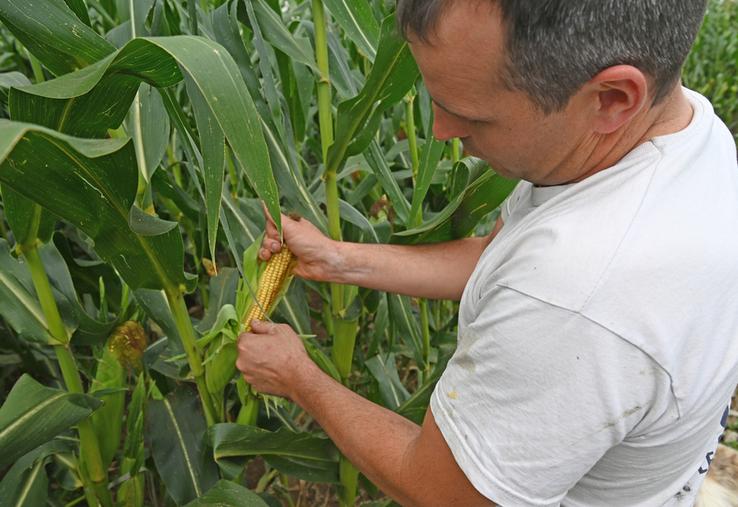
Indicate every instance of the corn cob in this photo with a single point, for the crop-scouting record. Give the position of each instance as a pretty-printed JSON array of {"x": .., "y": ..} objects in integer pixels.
[
  {"x": 270, "y": 285},
  {"x": 127, "y": 344}
]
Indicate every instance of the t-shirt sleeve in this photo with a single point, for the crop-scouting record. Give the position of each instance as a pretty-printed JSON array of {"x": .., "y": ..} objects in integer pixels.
[{"x": 535, "y": 395}]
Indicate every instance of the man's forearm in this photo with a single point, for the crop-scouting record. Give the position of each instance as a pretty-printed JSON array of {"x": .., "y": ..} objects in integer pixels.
[
  {"x": 372, "y": 437},
  {"x": 438, "y": 271}
]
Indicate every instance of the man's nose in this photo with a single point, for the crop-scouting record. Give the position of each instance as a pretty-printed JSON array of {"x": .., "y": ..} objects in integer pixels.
[{"x": 448, "y": 126}]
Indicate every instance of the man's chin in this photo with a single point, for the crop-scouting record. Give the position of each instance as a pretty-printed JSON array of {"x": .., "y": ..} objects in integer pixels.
[
  {"x": 502, "y": 171},
  {"x": 496, "y": 167}
]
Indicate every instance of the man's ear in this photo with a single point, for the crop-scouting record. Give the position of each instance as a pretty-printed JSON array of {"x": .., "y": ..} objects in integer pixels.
[{"x": 619, "y": 93}]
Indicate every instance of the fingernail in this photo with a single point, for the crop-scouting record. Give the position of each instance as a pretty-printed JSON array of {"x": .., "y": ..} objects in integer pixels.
[{"x": 275, "y": 247}]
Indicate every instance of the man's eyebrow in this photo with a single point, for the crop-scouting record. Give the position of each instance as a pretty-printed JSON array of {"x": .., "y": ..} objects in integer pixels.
[
  {"x": 458, "y": 115},
  {"x": 439, "y": 104}
]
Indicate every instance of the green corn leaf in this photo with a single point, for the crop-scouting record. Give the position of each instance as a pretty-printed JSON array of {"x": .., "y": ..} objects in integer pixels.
[
  {"x": 175, "y": 428},
  {"x": 18, "y": 302},
  {"x": 131, "y": 492},
  {"x": 321, "y": 358},
  {"x": 232, "y": 106},
  {"x": 292, "y": 183},
  {"x": 358, "y": 21},
  {"x": 54, "y": 34},
  {"x": 346, "y": 82},
  {"x": 384, "y": 369},
  {"x": 294, "y": 307},
  {"x": 376, "y": 161},
  {"x": 10, "y": 80},
  {"x": 148, "y": 125},
  {"x": 278, "y": 36},
  {"x": 33, "y": 414},
  {"x": 459, "y": 218},
  {"x": 80, "y": 9},
  {"x": 429, "y": 158},
  {"x": 415, "y": 406},
  {"x": 27, "y": 219},
  {"x": 154, "y": 303},
  {"x": 213, "y": 149},
  {"x": 222, "y": 290},
  {"x": 228, "y": 494},
  {"x": 31, "y": 484},
  {"x": 94, "y": 185},
  {"x": 108, "y": 419},
  {"x": 393, "y": 74},
  {"x": 267, "y": 60},
  {"x": 282, "y": 152},
  {"x": 133, "y": 447},
  {"x": 221, "y": 365},
  {"x": 406, "y": 325},
  {"x": 86, "y": 329},
  {"x": 72, "y": 102},
  {"x": 227, "y": 32},
  {"x": 26, "y": 483},
  {"x": 354, "y": 217},
  {"x": 305, "y": 469},
  {"x": 237, "y": 441}
]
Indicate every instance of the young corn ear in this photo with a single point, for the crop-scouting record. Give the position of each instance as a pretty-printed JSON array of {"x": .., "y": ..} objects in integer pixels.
[
  {"x": 270, "y": 285},
  {"x": 127, "y": 344}
]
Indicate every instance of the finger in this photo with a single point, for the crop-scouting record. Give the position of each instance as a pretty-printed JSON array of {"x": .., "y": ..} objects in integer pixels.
[
  {"x": 264, "y": 254},
  {"x": 241, "y": 365},
  {"x": 263, "y": 327},
  {"x": 271, "y": 239},
  {"x": 242, "y": 342}
]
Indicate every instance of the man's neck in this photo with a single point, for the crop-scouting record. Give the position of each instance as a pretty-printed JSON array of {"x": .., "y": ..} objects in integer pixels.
[{"x": 670, "y": 116}]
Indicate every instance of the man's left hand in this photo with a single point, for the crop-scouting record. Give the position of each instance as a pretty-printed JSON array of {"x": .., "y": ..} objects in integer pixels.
[{"x": 270, "y": 357}]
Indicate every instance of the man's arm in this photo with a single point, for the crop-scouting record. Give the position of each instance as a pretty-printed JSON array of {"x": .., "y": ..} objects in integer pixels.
[
  {"x": 410, "y": 463},
  {"x": 438, "y": 271}
]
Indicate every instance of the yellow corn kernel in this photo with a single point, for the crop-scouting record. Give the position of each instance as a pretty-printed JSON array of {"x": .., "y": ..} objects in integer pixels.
[{"x": 270, "y": 285}]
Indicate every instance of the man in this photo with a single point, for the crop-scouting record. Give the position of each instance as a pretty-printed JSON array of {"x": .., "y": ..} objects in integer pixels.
[{"x": 596, "y": 350}]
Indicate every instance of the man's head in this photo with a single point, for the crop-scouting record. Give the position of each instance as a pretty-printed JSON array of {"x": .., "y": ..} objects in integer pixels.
[{"x": 563, "y": 72}]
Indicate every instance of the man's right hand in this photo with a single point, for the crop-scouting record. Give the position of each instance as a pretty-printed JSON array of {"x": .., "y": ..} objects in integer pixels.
[
  {"x": 316, "y": 254},
  {"x": 437, "y": 271}
]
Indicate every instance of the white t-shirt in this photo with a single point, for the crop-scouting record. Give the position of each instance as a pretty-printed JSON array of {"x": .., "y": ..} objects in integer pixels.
[{"x": 598, "y": 334}]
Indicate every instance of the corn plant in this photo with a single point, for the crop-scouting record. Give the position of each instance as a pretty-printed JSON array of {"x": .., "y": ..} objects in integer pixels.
[
  {"x": 712, "y": 65},
  {"x": 138, "y": 141}
]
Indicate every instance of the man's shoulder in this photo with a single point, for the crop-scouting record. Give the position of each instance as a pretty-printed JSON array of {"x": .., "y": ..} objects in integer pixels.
[
  {"x": 559, "y": 250},
  {"x": 664, "y": 212}
]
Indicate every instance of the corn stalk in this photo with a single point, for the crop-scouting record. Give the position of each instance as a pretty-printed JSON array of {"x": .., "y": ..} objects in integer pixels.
[
  {"x": 344, "y": 333},
  {"x": 412, "y": 139},
  {"x": 325, "y": 120},
  {"x": 182, "y": 320},
  {"x": 94, "y": 475}
]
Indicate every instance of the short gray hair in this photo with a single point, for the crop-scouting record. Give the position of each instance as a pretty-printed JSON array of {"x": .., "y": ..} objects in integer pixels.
[{"x": 555, "y": 46}]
